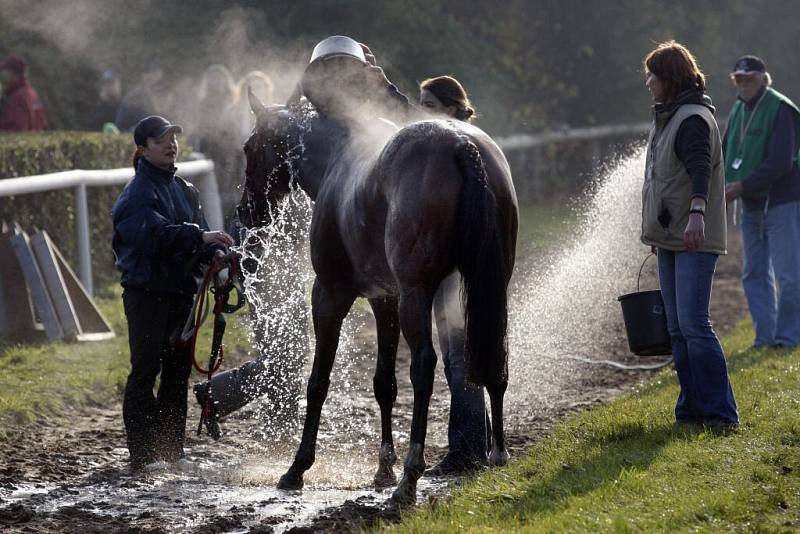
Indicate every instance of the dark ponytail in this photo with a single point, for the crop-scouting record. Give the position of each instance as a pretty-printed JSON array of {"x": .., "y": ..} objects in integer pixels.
[
  {"x": 450, "y": 92},
  {"x": 465, "y": 113},
  {"x": 136, "y": 157}
]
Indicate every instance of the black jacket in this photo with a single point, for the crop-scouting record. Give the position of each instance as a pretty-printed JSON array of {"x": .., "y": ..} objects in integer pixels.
[{"x": 158, "y": 232}]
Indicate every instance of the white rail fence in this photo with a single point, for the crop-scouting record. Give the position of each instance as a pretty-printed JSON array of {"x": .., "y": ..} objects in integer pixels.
[
  {"x": 590, "y": 133},
  {"x": 200, "y": 172}
]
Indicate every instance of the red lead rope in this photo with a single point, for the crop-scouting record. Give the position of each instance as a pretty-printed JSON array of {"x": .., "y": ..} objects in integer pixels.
[
  {"x": 206, "y": 410},
  {"x": 199, "y": 319}
]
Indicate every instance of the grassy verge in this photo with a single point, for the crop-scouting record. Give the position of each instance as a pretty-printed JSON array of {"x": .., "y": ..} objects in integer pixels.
[
  {"x": 624, "y": 467},
  {"x": 46, "y": 379}
]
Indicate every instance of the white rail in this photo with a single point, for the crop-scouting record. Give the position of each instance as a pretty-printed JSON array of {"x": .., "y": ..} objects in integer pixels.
[
  {"x": 200, "y": 171},
  {"x": 521, "y": 141}
]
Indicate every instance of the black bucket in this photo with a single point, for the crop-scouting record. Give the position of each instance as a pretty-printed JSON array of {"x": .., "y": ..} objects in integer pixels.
[{"x": 645, "y": 321}]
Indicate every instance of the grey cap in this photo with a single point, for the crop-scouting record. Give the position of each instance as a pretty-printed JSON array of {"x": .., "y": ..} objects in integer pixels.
[{"x": 338, "y": 46}]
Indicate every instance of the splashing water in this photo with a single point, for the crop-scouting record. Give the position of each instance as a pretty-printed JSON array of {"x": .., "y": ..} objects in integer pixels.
[
  {"x": 277, "y": 285},
  {"x": 570, "y": 306},
  {"x": 565, "y": 306}
]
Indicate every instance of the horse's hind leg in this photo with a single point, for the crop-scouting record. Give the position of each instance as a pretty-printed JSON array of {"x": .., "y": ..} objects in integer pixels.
[
  {"x": 329, "y": 309},
  {"x": 499, "y": 455},
  {"x": 415, "y": 321},
  {"x": 385, "y": 384}
]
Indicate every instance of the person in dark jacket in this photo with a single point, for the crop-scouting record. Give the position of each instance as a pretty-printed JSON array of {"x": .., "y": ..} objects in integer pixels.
[
  {"x": 761, "y": 147},
  {"x": 343, "y": 81},
  {"x": 159, "y": 228},
  {"x": 683, "y": 219},
  {"x": 20, "y": 107}
]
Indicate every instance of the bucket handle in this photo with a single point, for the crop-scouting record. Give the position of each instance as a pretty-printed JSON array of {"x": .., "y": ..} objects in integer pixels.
[{"x": 639, "y": 278}]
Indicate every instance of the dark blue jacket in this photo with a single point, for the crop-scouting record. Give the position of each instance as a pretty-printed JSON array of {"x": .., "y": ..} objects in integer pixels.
[{"x": 158, "y": 231}]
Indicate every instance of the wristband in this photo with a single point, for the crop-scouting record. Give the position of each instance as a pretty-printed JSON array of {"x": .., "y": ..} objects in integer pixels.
[{"x": 698, "y": 210}]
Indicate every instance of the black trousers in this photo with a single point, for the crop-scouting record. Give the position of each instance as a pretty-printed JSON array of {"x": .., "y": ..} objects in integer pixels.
[{"x": 155, "y": 425}]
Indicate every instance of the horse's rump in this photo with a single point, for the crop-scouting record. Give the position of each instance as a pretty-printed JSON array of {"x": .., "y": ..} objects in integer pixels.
[{"x": 452, "y": 205}]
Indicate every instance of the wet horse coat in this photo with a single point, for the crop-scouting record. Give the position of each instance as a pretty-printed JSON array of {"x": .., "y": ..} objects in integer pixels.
[{"x": 390, "y": 222}]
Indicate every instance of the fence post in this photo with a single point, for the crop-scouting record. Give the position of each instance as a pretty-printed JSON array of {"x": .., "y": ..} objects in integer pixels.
[
  {"x": 212, "y": 205},
  {"x": 82, "y": 231}
]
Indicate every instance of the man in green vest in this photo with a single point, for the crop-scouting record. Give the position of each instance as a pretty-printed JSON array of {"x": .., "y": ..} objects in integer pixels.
[{"x": 761, "y": 147}]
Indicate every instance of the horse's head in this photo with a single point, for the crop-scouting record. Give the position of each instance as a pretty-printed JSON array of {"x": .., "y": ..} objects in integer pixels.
[{"x": 272, "y": 152}]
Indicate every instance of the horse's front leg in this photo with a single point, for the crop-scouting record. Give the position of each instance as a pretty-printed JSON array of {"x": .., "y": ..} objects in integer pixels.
[
  {"x": 415, "y": 321},
  {"x": 499, "y": 455},
  {"x": 329, "y": 308},
  {"x": 385, "y": 384}
]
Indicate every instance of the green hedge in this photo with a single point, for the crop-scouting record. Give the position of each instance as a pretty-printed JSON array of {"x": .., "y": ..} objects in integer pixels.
[{"x": 54, "y": 211}]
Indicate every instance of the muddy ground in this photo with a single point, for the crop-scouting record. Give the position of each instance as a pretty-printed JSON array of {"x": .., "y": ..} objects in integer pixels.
[{"x": 72, "y": 475}]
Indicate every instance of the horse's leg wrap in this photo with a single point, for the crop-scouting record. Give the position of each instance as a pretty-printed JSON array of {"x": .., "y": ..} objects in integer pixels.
[
  {"x": 329, "y": 312},
  {"x": 385, "y": 384},
  {"x": 499, "y": 455}
]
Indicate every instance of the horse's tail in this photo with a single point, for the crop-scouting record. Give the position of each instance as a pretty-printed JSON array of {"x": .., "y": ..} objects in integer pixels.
[{"x": 483, "y": 269}]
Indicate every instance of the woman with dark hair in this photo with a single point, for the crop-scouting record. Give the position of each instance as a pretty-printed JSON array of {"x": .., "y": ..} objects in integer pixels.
[
  {"x": 444, "y": 95},
  {"x": 159, "y": 229},
  {"x": 468, "y": 429},
  {"x": 683, "y": 220}
]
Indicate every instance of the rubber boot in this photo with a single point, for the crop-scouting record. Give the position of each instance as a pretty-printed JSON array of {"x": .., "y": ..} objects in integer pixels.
[{"x": 233, "y": 389}]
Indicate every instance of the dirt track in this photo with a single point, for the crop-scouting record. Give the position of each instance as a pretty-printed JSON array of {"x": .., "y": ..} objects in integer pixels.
[{"x": 72, "y": 476}]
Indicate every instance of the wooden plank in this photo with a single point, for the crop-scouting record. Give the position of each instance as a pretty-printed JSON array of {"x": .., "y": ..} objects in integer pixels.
[
  {"x": 92, "y": 323},
  {"x": 36, "y": 284},
  {"x": 96, "y": 336},
  {"x": 17, "y": 318},
  {"x": 54, "y": 281}
]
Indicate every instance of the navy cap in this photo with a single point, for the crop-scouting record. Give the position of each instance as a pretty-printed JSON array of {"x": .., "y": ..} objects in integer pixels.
[
  {"x": 153, "y": 126},
  {"x": 749, "y": 65}
]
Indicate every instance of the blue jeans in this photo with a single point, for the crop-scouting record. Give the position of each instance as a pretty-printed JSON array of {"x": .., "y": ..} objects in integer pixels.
[
  {"x": 468, "y": 427},
  {"x": 706, "y": 393},
  {"x": 772, "y": 252}
]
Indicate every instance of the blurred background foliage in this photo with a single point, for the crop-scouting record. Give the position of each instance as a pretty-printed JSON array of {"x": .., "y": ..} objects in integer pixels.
[{"x": 529, "y": 65}]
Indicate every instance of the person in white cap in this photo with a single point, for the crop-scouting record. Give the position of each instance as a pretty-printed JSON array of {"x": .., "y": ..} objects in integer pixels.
[
  {"x": 761, "y": 146},
  {"x": 343, "y": 81}
]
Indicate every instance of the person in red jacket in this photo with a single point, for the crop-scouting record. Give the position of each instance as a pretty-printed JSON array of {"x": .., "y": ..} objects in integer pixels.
[{"x": 20, "y": 108}]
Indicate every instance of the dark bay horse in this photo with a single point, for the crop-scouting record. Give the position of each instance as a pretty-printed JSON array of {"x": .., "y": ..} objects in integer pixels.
[{"x": 389, "y": 224}]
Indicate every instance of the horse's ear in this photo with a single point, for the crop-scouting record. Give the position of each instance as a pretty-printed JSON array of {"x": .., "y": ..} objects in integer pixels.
[{"x": 255, "y": 104}]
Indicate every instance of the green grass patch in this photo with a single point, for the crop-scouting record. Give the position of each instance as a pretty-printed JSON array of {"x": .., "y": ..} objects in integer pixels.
[
  {"x": 48, "y": 379},
  {"x": 625, "y": 467}
]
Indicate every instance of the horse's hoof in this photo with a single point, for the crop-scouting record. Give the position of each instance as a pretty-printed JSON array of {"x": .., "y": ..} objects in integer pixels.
[
  {"x": 499, "y": 458},
  {"x": 404, "y": 496},
  {"x": 290, "y": 482},
  {"x": 385, "y": 478}
]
